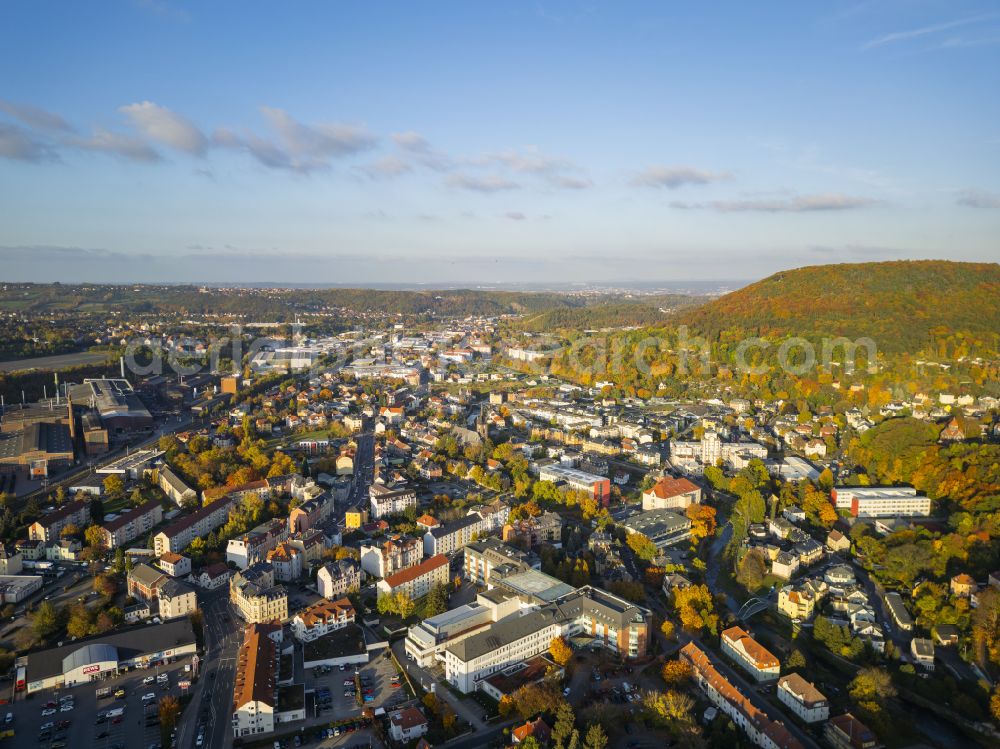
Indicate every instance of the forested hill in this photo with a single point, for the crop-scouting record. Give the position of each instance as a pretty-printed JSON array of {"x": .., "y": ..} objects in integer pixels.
[
  {"x": 905, "y": 306},
  {"x": 281, "y": 304}
]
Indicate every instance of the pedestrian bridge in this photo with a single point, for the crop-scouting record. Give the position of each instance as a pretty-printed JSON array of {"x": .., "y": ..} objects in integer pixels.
[{"x": 751, "y": 607}]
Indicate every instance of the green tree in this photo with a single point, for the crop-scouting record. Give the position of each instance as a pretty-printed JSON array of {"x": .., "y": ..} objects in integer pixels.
[
  {"x": 595, "y": 738},
  {"x": 45, "y": 620},
  {"x": 114, "y": 487}
]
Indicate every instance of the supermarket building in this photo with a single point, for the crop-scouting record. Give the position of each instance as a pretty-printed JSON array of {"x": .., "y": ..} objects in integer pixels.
[{"x": 103, "y": 656}]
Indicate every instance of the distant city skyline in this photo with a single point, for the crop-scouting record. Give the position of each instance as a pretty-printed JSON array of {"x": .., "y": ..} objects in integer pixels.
[{"x": 461, "y": 144}]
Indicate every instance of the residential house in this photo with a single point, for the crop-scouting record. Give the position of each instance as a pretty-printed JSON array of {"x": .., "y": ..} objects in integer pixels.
[
  {"x": 847, "y": 732},
  {"x": 336, "y": 579},
  {"x": 803, "y": 698},
  {"x": 407, "y": 724},
  {"x": 755, "y": 659},
  {"x": 214, "y": 576},
  {"x": 322, "y": 618},
  {"x": 174, "y": 565}
]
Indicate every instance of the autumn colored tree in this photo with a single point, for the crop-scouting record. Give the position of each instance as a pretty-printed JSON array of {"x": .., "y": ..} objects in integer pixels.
[
  {"x": 695, "y": 608},
  {"x": 94, "y": 537},
  {"x": 114, "y": 487},
  {"x": 560, "y": 651},
  {"x": 70, "y": 530},
  {"x": 676, "y": 673},
  {"x": 643, "y": 547},
  {"x": 595, "y": 737},
  {"x": 169, "y": 709},
  {"x": 667, "y": 628},
  {"x": 703, "y": 523}
]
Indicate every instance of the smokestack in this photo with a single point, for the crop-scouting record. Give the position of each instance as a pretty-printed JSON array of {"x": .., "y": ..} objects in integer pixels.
[
  {"x": 72, "y": 421},
  {"x": 57, "y": 388},
  {"x": 121, "y": 360}
]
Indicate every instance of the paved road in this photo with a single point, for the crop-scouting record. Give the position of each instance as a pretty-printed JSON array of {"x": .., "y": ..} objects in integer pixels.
[{"x": 211, "y": 701}]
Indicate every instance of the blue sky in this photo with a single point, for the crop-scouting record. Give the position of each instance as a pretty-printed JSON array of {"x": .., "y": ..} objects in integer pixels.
[{"x": 456, "y": 142}]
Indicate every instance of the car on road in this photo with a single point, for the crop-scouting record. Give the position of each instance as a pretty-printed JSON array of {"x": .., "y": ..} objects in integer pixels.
[
  {"x": 66, "y": 707},
  {"x": 48, "y": 711},
  {"x": 148, "y": 697},
  {"x": 149, "y": 680},
  {"x": 47, "y": 726}
]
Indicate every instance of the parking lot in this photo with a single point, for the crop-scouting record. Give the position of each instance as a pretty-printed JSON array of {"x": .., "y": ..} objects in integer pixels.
[
  {"x": 379, "y": 674},
  {"x": 80, "y": 727}
]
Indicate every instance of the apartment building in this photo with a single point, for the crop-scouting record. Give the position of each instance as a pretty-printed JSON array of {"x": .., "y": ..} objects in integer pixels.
[
  {"x": 494, "y": 515},
  {"x": 144, "y": 582},
  {"x": 387, "y": 501},
  {"x": 416, "y": 581},
  {"x": 132, "y": 524},
  {"x": 391, "y": 556},
  {"x": 11, "y": 560},
  {"x": 256, "y": 597},
  {"x": 255, "y": 693},
  {"x": 176, "y": 599},
  {"x": 753, "y": 657},
  {"x": 599, "y": 487},
  {"x": 450, "y": 537},
  {"x": 763, "y": 730},
  {"x": 875, "y": 502},
  {"x": 337, "y": 579},
  {"x": 48, "y": 527},
  {"x": 178, "y": 535},
  {"x": 482, "y": 557},
  {"x": 310, "y": 513},
  {"x": 253, "y": 546},
  {"x": 312, "y": 543},
  {"x": 529, "y": 532},
  {"x": 671, "y": 493},
  {"x": 322, "y": 618},
  {"x": 803, "y": 698},
  {"x": 287, "y": 562}
]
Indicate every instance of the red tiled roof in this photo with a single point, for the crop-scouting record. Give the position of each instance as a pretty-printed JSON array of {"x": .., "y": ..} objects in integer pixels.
[
  {"x": 412, "y": 573},
  {"x": 669, "y": 487},
  {"x": 707, "y": 672},
  {"x": 761, "y": 656}
]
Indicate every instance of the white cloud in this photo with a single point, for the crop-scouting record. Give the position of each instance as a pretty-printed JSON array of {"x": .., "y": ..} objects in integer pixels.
[
  {"x": 119, "y": 144},
  {"x": 388, "y": 166},
  {"x": 800, "y": 204},
  {"x": 673, "y": 177},
  {"x": 36, "y": 117},
  {"x": 486, "y": 184},
  {"x": 908, "y": 34},
  {"x": 161, "y": 125},
  {"x": 515, "y": 216},
  {"x": 321, "y": 141},
  {"x": 18, "y": 145},
  {"x": 973, "y": 198},
  {"x": 411, "y": 141}
]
